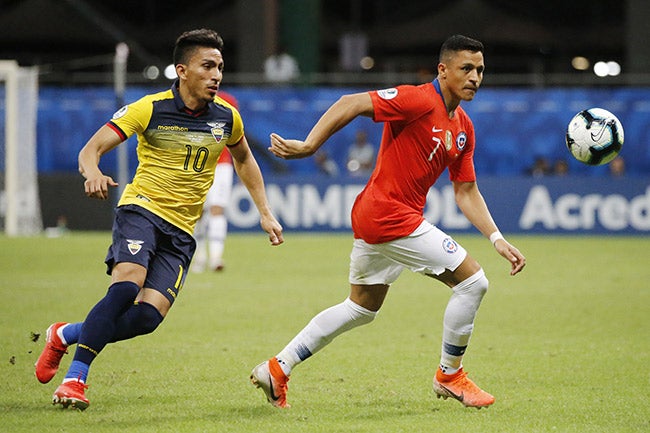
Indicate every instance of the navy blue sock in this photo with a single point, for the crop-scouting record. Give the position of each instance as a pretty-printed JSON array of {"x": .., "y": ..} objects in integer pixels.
[
  {"x": 100, "y": 324},
  {"x": 140, "y": 319}
]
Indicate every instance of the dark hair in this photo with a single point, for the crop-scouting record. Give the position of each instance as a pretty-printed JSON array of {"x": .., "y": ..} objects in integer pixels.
[
  {"x": 460, "y": 43},
  {"x": 192, "y": 39}
]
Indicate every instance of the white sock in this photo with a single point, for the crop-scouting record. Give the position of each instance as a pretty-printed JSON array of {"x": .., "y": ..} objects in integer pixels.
[
  {"x": 200, "y": 255},
  {"x": 217, "y": 230},
  {"x": 321, "y": 330},
  {"x": 458, "y": 321}
]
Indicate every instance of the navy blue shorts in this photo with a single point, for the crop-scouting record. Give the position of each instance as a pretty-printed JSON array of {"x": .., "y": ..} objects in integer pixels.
[{"x": 142, "y": 237}]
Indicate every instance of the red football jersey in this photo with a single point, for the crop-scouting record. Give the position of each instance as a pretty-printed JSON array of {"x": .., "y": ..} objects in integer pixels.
[
  {"x": 225, "y": 158},
  {"x": 419, "y": 141}
]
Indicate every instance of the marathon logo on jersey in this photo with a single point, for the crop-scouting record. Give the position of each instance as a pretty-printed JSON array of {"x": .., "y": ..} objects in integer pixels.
[
  {"x": 449, "y": 245},
  {"x": 461, "y": 141},
  {"x": 217, "y": 130},
  {"x": 134, "y": 246},
  {"x": 121, "y": 112},
  {"x": 173, "y": 128},
  {"x": 387, "y": 93}
]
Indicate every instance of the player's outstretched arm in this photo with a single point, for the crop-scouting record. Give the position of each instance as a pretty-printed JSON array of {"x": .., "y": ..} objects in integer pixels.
[{"x": 342, "y": 112}]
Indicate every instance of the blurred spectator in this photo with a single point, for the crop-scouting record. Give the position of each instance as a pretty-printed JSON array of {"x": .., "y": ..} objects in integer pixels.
[
  {"x": 560, "y": 168},
  {"x": 326, "y": 165},
  {"x": 281, "y": 67},
  {"x": 617, "y": 167},
  {"x": 361, "y": 155},
  {"x": 540, "y": 167}
]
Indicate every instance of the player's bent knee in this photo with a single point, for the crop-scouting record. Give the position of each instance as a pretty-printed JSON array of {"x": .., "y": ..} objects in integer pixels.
[
  {"x": 477, "y": 284},
  {"x": 360, "y": 315},
  {"x": 482, "y": 285},
  {"x": 148, "y": 318},
  {"x": 122, "y": 292}
]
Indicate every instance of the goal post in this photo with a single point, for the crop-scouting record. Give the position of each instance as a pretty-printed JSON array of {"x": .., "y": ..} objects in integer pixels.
[{"x": 20, "y": 200}]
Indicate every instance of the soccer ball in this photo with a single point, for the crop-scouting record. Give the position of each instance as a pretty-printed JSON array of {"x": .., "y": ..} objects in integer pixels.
[{"x": 594, "y": 136}]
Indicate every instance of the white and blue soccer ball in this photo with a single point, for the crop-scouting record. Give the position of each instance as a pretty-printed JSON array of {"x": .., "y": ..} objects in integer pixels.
[{"x": 594, "y": 136}]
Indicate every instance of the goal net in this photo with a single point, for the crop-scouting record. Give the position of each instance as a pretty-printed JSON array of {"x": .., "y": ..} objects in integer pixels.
[{"x": 19, "y": 201}]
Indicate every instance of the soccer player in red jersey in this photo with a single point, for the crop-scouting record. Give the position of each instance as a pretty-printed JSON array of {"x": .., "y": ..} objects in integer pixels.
[{"x": 425, "y": 131}]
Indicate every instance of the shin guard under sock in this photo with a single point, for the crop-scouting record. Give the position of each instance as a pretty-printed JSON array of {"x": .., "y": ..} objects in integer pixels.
[{"x": 139, "y": 319}]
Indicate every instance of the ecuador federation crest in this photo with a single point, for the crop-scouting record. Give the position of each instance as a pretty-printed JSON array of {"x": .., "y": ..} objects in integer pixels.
[
  {"x": 217, "y": 130},
  {"x": 134, "y": 246}
]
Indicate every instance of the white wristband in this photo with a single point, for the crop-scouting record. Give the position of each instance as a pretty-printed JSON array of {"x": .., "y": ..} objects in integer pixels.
[{"x": 496, "y": 236}]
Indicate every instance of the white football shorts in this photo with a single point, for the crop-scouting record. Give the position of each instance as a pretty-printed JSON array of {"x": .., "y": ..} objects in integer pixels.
[
  {"x": 428, "y": 250},
  {"x": 219, "y": 193}
]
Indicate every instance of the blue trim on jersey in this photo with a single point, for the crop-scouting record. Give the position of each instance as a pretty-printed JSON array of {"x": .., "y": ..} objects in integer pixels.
[
  {"x": 436, "y": 84},
  {"x": 180, "y": 105},
  {"x": 195, "y": 122}
]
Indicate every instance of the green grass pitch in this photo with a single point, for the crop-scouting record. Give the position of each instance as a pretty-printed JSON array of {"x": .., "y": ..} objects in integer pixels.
[{"x": 564, "y": 346}]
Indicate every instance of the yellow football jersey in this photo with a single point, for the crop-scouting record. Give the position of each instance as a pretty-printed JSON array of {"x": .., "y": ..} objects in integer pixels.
[{"x": 177, "y": 153}]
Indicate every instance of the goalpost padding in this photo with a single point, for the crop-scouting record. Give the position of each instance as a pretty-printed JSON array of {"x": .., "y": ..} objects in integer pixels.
[{"x": 21, "y": 203}]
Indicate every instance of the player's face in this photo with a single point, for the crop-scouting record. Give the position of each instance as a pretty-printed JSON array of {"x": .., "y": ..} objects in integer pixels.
[
  {"x": 201, "y": 76},
  {"x": 462, "y": 72}
]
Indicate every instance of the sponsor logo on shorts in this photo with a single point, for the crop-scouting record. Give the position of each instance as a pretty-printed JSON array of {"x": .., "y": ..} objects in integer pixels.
[
  {"x": 134, "y": 246},
  {"x": 450, "y": 245}
]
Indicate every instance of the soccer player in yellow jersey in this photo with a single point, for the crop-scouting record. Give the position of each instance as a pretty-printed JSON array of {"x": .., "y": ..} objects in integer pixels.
[{"x": 181, "y": 133}]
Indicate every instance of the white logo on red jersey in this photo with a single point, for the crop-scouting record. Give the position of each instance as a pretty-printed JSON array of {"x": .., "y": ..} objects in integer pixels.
[
  {"x": 436, "y": 140},
  {"x": 387, "y": 93}
]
